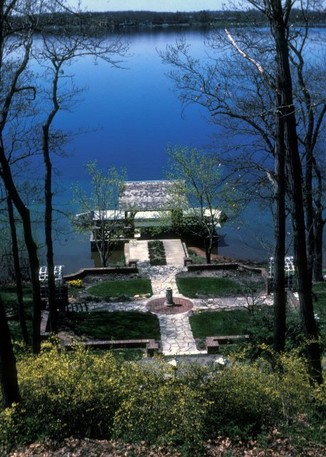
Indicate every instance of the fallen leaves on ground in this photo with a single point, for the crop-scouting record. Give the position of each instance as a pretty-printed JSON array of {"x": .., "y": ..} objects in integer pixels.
[{"x": 221, "y": 447}]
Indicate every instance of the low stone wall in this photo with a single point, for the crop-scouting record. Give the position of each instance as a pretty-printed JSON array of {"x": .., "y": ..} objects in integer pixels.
[
  {"x": 81, "y": 274},
  {"x": 225, "y": 266},
  {"x": 214, "y": 342},
  {"x": 151, "y": 346}
]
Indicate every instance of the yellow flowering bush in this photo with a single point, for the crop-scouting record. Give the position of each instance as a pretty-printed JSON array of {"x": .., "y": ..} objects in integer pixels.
[
  {"x": 69, "y": 393},
  {"x": 84, "y": 394},
  {"x": 170, "y": 414},
  {"x": 76, "y": 283}
]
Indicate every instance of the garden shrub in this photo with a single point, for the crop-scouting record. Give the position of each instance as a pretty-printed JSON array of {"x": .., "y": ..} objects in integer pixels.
[
  {"x": 75, "y": 283},
  {"x": 156, "y": 252},
  {"x": 9, "y": 428},
  {"x": 165, "y": 412},
  {"x": 69, "y": 393},
  {"x": 246, "y": 399},
  {"x": 85, "y": 394},
  {"x": 293, "y": 384},
  {"x": 243, "y": 400}
]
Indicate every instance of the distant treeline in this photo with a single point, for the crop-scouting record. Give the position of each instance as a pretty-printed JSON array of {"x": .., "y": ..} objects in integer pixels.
[{"x": 116, "y": 21}]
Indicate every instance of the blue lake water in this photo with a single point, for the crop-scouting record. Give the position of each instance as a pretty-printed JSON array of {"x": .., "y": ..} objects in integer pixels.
[{"x": 127, "y": 118}]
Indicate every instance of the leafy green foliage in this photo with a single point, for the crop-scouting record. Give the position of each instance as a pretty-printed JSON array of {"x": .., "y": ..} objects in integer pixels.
[
  {"x": 246, "y": 399},
  {"x": 126, "y": 288},
  {"x": 71, "y": 393},
  {"x": 83, "y": 394},
  {"x": 9, "y": 298},
  {"x": 105, "y": 186},
  {"x": 159, "y": 394},
  {"x": 117, "y": 325},
  {"x": 243, "y": 401}
]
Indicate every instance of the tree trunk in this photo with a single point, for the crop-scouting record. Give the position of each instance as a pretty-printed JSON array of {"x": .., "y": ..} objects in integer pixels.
[
  {"x": 18, "y": 276},
  {"x": 309, "y": 211},
  {"x": 208, "y": 249},
  {"x": 294, "y": 174},
  {"x": 319, "y": 224},
  {"x": 31, "y": 249},
  {"x": 8, "y": 371},
  {"x": 48, "y": 229},
  {"x": 279, "y": 233}
]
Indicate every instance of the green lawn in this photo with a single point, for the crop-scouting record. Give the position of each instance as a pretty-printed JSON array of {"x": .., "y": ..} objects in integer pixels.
[
  {"x": 194, "y": 286},
  {"x": 117, "y": 325},
  {"x": 213, "y": 323},
  {"x": 126, "y": 288},
  {"x": 9, "y": 297}
]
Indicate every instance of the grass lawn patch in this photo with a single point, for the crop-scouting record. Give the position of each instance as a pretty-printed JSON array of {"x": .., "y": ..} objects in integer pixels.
[
  {"x": 214, "y": 323},
  {"x": 194, "y": 286},
  {"x": 15, "y": 329},
  {"x": 119, "y": 288},
  {"x": 9, "y": 297},
  {"x": 220, "y": 323},
  {"x": 119, "y": 325}
]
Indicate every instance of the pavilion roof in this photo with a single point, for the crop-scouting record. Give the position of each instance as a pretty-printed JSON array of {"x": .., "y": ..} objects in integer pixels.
[{"x": 149, "y": 196}]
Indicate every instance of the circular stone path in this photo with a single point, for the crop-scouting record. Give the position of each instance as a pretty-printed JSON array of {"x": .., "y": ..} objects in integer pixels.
[{"x": 158, "y": 306}]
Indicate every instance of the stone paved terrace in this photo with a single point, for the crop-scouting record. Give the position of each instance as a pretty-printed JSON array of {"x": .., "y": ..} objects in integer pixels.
[{"x": 176, "y": 334}]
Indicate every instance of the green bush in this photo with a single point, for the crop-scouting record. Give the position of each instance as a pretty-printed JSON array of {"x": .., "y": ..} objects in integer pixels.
[
  {"x": 162, "y": 409},
  {"x": 156, "y": 252},
  {"x": 246, "y": 399},
  {"x": 70, "y": 393},
  {"x": 82, "y": 394},
  {"x": 169, "y": 415},
  {"x": 243, "y": 401}
]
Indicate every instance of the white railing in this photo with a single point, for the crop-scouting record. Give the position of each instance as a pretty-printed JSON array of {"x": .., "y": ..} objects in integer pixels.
[{"x": 58, "y": 274}]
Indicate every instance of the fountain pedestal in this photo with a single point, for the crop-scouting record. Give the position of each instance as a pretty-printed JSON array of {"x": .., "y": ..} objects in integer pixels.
[{"x": 169, "y": 297}]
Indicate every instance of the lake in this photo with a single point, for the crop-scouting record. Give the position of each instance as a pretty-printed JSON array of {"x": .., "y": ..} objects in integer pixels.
[{"x": 127, "y": 117}]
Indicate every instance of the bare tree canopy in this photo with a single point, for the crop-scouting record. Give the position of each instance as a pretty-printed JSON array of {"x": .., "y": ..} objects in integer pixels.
[{"x": 258, "y": 82}]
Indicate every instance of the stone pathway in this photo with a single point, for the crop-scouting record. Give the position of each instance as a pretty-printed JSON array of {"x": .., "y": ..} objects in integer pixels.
[
  {"x": 176, "y": 335},
  {"x": 161, "y": 277}
]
